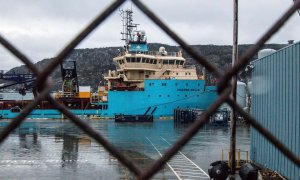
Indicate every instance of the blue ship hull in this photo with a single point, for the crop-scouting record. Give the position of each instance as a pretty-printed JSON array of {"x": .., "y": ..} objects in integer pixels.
[{"x": 159, "y": 97}]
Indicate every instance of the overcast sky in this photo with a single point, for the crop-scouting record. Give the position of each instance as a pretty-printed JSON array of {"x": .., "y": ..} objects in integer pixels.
[{"x": 40, "y": 28}]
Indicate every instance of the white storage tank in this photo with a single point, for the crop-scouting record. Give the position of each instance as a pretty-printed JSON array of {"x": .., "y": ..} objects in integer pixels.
[
  {"x": 265, "y": 52},
  {"x": 250, "y": 87},
  {"x": 241, "y": 94}
]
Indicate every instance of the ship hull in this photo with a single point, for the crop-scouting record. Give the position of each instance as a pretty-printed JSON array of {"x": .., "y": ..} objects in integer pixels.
[{"x": 159, "y": 98}]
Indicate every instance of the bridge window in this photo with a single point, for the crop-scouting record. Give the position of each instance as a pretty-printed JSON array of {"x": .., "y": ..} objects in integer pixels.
[
  {"x": 171, "y": 62},
  {"x": 133, "y": 60},
  {"x": 138, "y": 59},
  {"x": 147, "y": 60},
  {"x": 143, "y": 60},
  {"x": 165, "y": 62},
  {"x": 155, "y": 61},
  {"x": 177, "y": 62},
  {"x": 181, "y": 62},
  {"x": 128, "y": 59}
]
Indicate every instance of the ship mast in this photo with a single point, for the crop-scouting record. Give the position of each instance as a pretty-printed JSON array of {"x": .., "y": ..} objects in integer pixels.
[{"x": 128, "y": 26}]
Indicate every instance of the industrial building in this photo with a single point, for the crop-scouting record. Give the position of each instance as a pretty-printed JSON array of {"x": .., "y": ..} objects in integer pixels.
[{"x": 276, "y": 105}]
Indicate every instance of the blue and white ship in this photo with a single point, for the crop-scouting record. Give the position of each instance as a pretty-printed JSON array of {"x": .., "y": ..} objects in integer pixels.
[
  {"x": 144, "y": 82},
  {"x": 152, "y": 82}
]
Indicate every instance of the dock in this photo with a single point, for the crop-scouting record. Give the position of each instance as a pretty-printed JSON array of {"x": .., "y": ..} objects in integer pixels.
[{"x": 180, "y": 165}]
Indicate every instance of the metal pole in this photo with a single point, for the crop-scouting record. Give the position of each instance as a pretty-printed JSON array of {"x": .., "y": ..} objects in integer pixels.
[{"x": 234, "y": 82}]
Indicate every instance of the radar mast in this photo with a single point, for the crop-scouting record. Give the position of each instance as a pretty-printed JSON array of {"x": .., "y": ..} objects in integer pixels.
[{"x": 128, "y": 26}]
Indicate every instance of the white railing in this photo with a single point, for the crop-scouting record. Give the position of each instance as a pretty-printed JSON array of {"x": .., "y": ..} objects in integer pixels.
[{"x": 153, "y": 53}]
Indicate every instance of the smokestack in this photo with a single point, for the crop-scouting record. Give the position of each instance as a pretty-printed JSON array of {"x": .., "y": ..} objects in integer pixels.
[{"x": 290, "y": 41}]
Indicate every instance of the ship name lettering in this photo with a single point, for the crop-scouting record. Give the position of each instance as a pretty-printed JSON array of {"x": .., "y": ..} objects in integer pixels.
[{"x": 188, "y": 89}]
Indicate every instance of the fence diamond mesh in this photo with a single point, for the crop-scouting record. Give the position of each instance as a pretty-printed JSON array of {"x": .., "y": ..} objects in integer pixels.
[{"x": 224, "y": 88}]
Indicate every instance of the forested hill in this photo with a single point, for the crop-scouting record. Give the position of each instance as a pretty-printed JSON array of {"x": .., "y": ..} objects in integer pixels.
[{"x": 93, "y": 63}]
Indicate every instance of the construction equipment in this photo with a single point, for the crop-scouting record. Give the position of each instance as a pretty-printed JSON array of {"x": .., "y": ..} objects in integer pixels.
[
  {"x": 27, "y": 80},
  {"x": 70, "y": 87}
]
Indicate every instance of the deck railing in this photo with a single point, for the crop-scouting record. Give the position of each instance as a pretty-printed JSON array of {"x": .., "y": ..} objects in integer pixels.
[
  {"x": 153, "y": 53},
  {"x": 224, "y": 89}
]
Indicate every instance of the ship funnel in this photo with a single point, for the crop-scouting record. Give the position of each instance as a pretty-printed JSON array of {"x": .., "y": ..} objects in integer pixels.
[{"x": 290, "y": 41}]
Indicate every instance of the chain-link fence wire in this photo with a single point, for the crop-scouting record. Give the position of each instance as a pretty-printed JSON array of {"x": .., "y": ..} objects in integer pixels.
[{"x": 224, "y": 89}]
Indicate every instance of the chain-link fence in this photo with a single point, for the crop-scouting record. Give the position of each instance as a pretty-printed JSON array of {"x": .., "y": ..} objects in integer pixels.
[{"x": 224, "y": 89}]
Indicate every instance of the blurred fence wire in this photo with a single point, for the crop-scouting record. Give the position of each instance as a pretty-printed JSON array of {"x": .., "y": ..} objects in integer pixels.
[{"x": 224, "y": 88}]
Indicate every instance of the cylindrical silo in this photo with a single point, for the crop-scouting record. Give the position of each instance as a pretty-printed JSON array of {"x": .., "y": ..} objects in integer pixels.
[
  {"x": 265, "y": 52},
  {"x": 241, "y": 94}
]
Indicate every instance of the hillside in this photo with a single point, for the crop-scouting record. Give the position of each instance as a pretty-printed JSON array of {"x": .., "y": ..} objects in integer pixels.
[{"x": 92, "y": 64}]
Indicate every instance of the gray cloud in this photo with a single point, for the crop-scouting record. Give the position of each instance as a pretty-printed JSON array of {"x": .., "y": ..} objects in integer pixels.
[{"x": 41, "y": 28}]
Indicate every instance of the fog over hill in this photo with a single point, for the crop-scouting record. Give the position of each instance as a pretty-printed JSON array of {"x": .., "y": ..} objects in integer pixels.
[{"x": 92, "y": 64}]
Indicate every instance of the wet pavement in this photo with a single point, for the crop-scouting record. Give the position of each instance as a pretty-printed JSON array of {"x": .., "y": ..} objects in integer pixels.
[{"x": 57, "y": 149}]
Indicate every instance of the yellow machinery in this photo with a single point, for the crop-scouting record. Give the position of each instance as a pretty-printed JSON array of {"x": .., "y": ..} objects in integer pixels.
[{"x": 239, "y": 154}]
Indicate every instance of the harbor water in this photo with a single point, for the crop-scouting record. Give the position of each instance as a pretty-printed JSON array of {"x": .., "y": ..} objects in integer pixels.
[{"x": 57, "y": 149}]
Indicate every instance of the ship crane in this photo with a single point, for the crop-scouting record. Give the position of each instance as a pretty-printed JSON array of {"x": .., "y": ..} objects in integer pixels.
[
  {"x": 70, "y": 87},
  {"x": 28, "y": 81}
]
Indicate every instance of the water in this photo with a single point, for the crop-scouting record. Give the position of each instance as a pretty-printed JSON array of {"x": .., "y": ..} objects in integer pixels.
[{"x": 57, "y": 149}]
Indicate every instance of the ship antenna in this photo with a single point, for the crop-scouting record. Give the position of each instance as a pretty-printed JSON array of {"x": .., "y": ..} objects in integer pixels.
[{"x": 128, "y": 26}]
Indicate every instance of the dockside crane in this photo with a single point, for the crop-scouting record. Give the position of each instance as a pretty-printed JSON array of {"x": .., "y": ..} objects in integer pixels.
[
  {"x": 27, "y": 80},
  {"x": 70, "y": 87}
]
